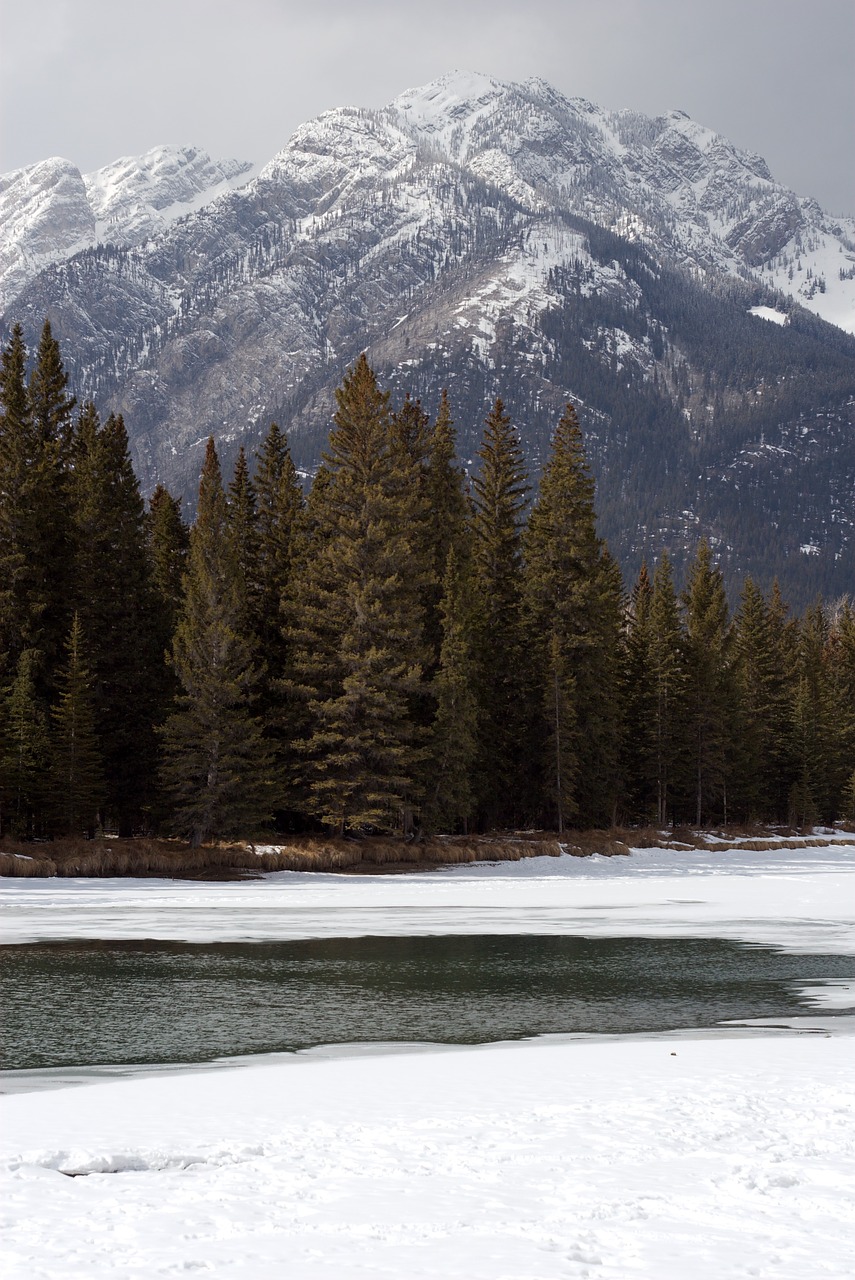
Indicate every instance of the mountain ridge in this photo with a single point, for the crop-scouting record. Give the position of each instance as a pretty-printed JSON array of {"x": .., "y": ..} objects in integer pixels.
[{"x": 500, "y": 239}]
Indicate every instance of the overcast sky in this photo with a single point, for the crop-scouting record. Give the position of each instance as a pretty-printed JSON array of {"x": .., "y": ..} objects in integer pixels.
[{"x": 92, "y": 80}]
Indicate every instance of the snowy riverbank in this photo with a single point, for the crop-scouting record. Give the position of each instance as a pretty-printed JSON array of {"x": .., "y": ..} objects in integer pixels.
[
  {"x": 803, "y": 899},
  {"x": 714, "y": 1155}
]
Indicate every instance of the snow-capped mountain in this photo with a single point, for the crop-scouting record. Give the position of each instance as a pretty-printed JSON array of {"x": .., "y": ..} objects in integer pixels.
[
  {"x": 499, "y": 239},
  {"x": 50, "y": 211}
]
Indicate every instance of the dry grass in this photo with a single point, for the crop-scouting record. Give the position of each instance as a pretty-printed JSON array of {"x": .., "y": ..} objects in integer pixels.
[{"x": 378, "y": 854}]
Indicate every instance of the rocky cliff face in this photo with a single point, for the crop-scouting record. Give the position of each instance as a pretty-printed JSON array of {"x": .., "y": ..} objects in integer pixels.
[
  {"x": 51, "y": 211},
  {"x": 498, "y": 239}
]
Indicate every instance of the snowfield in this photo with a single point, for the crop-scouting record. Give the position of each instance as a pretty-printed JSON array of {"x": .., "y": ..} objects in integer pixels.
[{"x": 720, "y": 1154}]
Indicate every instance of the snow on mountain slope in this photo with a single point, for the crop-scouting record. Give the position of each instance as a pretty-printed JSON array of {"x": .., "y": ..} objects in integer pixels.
[
  {"x": 669, "y": 182},
  {"x": 137, "y": 196},
  {"x": 494, "y": 239},
  {"x": 685, "y": 188},
  {"x": 45, "y": 217},
  {"x": 50, "y": 211}
]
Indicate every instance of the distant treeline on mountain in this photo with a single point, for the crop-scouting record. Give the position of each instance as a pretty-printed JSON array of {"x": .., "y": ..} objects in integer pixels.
[{"x": 403, "y": 650}]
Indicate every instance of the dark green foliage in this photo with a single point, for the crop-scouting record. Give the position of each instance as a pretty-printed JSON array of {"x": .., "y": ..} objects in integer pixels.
[
  {"x": 573, "y": 598},
  {"x": 358, "y": 623},
  {"x": 116, "y": 605},
  {"x": 243, "y": 531},
  {"x": 34, "y": 614},
  {"x": 639, "y": 700},
  {"x": 815, "y": 725},
  {"x": 447, "y": 519},
  {"x": 760, "y": 731},
  {"x": 278, "y": 534},
  {"x": 168, "y": 543},
  {"x": 668, "y": 674},
  {"x": 77, "y": 775},
  {"x": 389, "y": 655},
  {"x": 217, "y": 766},
  {"x": 709, "y": 692},
  {"x": 24, "y": 754},
  {"x": 500, "y": 492},
  {"x": 450, "y": 800}
]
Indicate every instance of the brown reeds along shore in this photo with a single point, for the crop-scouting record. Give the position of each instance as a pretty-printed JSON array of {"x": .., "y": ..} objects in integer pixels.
[{"x": 387, "y": 855}]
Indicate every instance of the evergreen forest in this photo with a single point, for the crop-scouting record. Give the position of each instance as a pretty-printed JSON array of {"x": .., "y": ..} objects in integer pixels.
[{"x": 405, "y": 649}]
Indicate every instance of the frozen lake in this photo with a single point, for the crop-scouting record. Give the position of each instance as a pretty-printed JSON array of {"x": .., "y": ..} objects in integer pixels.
[{"x": 715, "y": 1154}]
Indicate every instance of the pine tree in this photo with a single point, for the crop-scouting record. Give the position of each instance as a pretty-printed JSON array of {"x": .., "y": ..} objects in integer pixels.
[
  {"x": 447, "y": 520},
  {"x": 573, "y": 599},
  {"x": 24, "y": 754},
  {"x": 217, "y": 764},
  {"x": 279, "y": 535},
  {"x": 639, "y": 742},
  {"x": 454, "y": 737},
  {"x": 500, "y": 492},
  {"x": 815, "y": 725},
  {"x": 759, "y": 695},
  {"x": 243, "y": 531},
  {"x": 34, "y": 547},
  {"x": 278, "y": 529},
  {"x": 842, "y": 694},
  {"x": 358, "y": 626},
  {"x": 669, "y": 685},
  {"x": 77, "y": 786},
  {"x": 168, "y": 543},
  {"x": 710, "y": 700},
  {"x": 51, "y": 406},
  {"x": 115, "y": 603}
]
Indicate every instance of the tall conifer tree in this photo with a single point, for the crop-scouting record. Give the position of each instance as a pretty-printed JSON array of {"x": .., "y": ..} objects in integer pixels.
[
  {"x": 573, "y": 598},
  {"x": 115, "y": 603},
  {"x": 710, "y": 701},
  {"x": 24, "y": 754},
  {"x": 454, "y": 737},
  {"x": 667, "y": 659},
  {"x": 500, "y": 492},
  {"x": 217, "y": 764},
  {"x": 358, "y": 628},
  {"x": 77, "y": 776}
]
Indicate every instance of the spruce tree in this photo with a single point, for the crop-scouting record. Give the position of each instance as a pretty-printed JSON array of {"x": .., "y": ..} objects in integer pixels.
[
  {"x": 447, "y": 520},
  {"x": 358, "y": 625},
  {"x": 573, "y": 596},
  {"x": 710, "y": 701},
  {"x": 500, "y": 492},
  {"x": 34, "y": 508},
  {"x": 50, "y": 404},
  {"x": 217, "y": 764},
  {"x": 638, "y": 745},
  {"x": 243, "y": 531},
  {"x": 115, "y": 603},
  {"x": 168, "y": 543},
  {"x": 817, "y": 784},
  {"x": 756, "y": 712},
  {"x": 24, "y": 754},
  {"x": 454, "y": 737},
  {"x": 279, "y": 531},
  {"x": 77, "y": 775},
  {"x": 668, "y": 675}
]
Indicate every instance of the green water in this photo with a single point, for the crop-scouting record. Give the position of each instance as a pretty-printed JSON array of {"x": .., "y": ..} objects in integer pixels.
[{"x": 85, "y": 1003}]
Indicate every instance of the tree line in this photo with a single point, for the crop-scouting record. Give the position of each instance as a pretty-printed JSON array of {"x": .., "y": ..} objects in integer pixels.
[{"x": 403, "y": 649}]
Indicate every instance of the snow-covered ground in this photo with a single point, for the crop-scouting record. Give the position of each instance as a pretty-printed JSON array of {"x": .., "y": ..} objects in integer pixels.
[
  {"x": 800, "y": 898},
  {"x": 687, "y": 1155}
]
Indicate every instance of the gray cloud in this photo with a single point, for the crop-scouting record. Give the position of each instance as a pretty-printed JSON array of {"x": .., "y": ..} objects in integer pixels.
[{"x": 94, "y": 79}]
